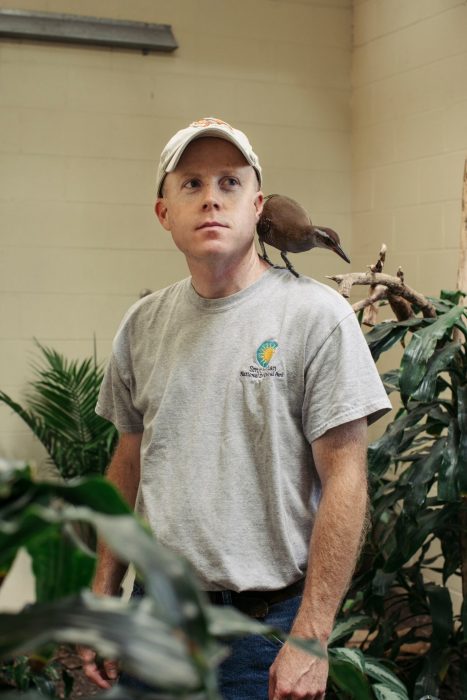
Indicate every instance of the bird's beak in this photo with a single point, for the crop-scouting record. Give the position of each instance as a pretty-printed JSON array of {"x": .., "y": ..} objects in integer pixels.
[{"x": 337, "y": 249}]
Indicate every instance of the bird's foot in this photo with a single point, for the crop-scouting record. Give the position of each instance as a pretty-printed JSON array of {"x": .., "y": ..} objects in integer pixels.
[
  {"x": 289, "y": 265},
  {"x": 266, "y": 259}
]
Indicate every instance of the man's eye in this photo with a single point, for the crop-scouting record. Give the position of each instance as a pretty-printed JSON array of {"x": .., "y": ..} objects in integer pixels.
[
  {"x": 231, "y": 181},
  {"x": 191, "y": 184}
]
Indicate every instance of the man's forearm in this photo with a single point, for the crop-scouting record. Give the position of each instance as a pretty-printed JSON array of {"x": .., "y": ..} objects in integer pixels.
[
  {"x": 334, "y": 548},
  {"x": 124, "y": 474}
]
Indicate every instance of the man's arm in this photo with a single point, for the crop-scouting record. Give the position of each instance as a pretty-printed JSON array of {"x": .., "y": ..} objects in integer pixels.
[
  {"x": 340, "y": 459},
  {"x": 124, "y": 473}
]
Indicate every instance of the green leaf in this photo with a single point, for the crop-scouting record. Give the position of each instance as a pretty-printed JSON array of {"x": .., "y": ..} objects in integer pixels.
[
  {"x": 60, "y": 412},
  {"x": 441, "y": 615},
  {"x": 348, "y": 677},
  {"x": 454, "y": 296},
  {"x": 448, "y": 488},
  {"x": 391, "y": 380},
  {"x": 462, "y": 422},
  {"x": 423, "y": 473},
  {"x": 421, "y": 348},
  {"x": 60, "y": 568},
  {"x": 384, "y": 692},
  {"x": 383, "y": 336},
  {"x": 147, "y": 647},
  {"x": 439, "y": 362},
  {"x": 351, "y": 656},
  {"x": 344, "y": 628},
  {"x": 411, "y": 534},
  {"x": 376, "y": 670},
  {"x": 387, "y": 447}
]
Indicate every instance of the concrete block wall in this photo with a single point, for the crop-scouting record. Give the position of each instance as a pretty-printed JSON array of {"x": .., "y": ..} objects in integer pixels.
[
  {"x": 409, "y": 142},
  {"x": 409, "y": 136},
  {"x": 81, "y": 129}
]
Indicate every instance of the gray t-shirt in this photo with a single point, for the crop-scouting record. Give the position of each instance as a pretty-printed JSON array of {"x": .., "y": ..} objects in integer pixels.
[{"x": 229, "y": 393}]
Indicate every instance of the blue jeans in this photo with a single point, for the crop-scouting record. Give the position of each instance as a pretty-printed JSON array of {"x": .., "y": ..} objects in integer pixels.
[{"x": 244, "y": 674}]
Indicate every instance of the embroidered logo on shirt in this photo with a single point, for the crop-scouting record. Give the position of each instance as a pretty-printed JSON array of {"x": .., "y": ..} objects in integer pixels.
[
  {"x": 265, "y": 352},
  {"x": 263, "y": 357}
]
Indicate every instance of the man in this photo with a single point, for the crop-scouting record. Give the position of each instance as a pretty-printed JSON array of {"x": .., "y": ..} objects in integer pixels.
[{"x": 242, "y": 396}]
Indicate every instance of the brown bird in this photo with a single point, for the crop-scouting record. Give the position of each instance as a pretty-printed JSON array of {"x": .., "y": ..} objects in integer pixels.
[{"x": 285, "y": 225}]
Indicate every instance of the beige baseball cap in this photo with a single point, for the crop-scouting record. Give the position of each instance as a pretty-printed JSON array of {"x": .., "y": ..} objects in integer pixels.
[{"x": 209, "y": 126}]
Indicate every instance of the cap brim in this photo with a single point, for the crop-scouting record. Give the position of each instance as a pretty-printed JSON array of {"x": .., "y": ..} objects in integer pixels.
[{"x": 208, "y": 132}]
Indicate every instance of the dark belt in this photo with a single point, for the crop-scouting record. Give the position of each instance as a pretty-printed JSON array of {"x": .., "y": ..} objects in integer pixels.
[{"x": 256, "y": 603}]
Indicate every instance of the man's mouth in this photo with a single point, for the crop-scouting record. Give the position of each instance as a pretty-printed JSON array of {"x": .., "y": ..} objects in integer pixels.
[{"x": 212, "y": 224}]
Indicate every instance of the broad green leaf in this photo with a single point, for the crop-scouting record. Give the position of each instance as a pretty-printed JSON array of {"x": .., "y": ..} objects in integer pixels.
[
  {"x": 343, "y": 628},
  {"x": 311, "y": 646},
  {"x": 60, "y": 568},
  {"x": 349, "y": 678},
  {"x": 351, "y": 656},
  {"x": 382, "y": 582},
  {"x": 388, "y": 446},
  {"x": 391, "y": 380},
  {"x": 420, "y": 349},
  {"x": 462, "y": 422},
  {"x": 441, "y": 615},
  {"x": 147, "y": 647},
  {"x": 411, "y": 534},
  {"x": 439, "y": 362},
  {"x": 385, "y": 335},
  {"x": 448, "y": 485},
  {"x": 453, "y": 296},
  {"x": 376, "y": 670},
  {"x": 384, "y": 692},
  {"x": 422, "y": 474}
]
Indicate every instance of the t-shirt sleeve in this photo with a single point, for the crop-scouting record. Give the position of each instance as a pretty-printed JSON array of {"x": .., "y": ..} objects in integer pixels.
[
  {"x": 115, "y": 402},
  {"x": 342, "y": 382}
]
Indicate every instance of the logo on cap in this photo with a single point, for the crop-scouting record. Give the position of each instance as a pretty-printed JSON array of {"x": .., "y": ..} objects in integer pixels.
[{"x": 210, "y": 121}]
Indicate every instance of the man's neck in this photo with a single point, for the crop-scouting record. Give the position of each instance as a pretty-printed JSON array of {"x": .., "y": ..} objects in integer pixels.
[{"x": 218, "y": 279}]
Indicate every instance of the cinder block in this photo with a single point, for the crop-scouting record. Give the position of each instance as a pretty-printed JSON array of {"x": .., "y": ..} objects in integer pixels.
[
  {"x": 419, "y": 135},
  {"x": 441, "y": 177},
  {"x": 304, "y": 148},
  {"x": 315, "y": 190},
  {"x": 455, "y": 125},
  {"x": 361, "y": 106},
  {"x": 452, "y": 219},
  {"x": 378, "y": 17},
  {"x": 374, "y": 61},
  {"x": 15, "y": 360},
  {"x": 109, "y": 180},
  {"x": 125, "y": 272},
  {"x": 362, "y": 190},
  {"x": 234, "y": 57},
  {"x": 369, "y": 231},
  {"x": 105, "y": 90},
  {"x": 373, "y": 145},
  {"x": 10, "y": 129},
  {"x": 33, "y": 85},
  {"x": 292, "y": 105},
  {"x": 10, "y": 313},
  {"x": 396, "y": 185},
  {"x": 425, "y": 42},
  {"x": 73, "y": 316},
  {"x": 327, "y": 67},
  {"x": 418, "y": 228},
  {"x": 438, "y": 270},
  {"x": 24, "y": 177}
]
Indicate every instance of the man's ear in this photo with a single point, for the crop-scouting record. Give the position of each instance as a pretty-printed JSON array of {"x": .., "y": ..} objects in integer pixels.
[
  {"x": 162, "y": 213},
  {"x": 259, "y": 203}
]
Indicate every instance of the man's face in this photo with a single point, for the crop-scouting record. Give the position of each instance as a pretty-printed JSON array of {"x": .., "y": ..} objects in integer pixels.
[{"x": 211, "y": 202}]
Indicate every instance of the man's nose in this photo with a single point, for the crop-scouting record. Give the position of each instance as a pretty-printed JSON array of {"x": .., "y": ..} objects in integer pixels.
[{"x": 211, "y": 198}]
